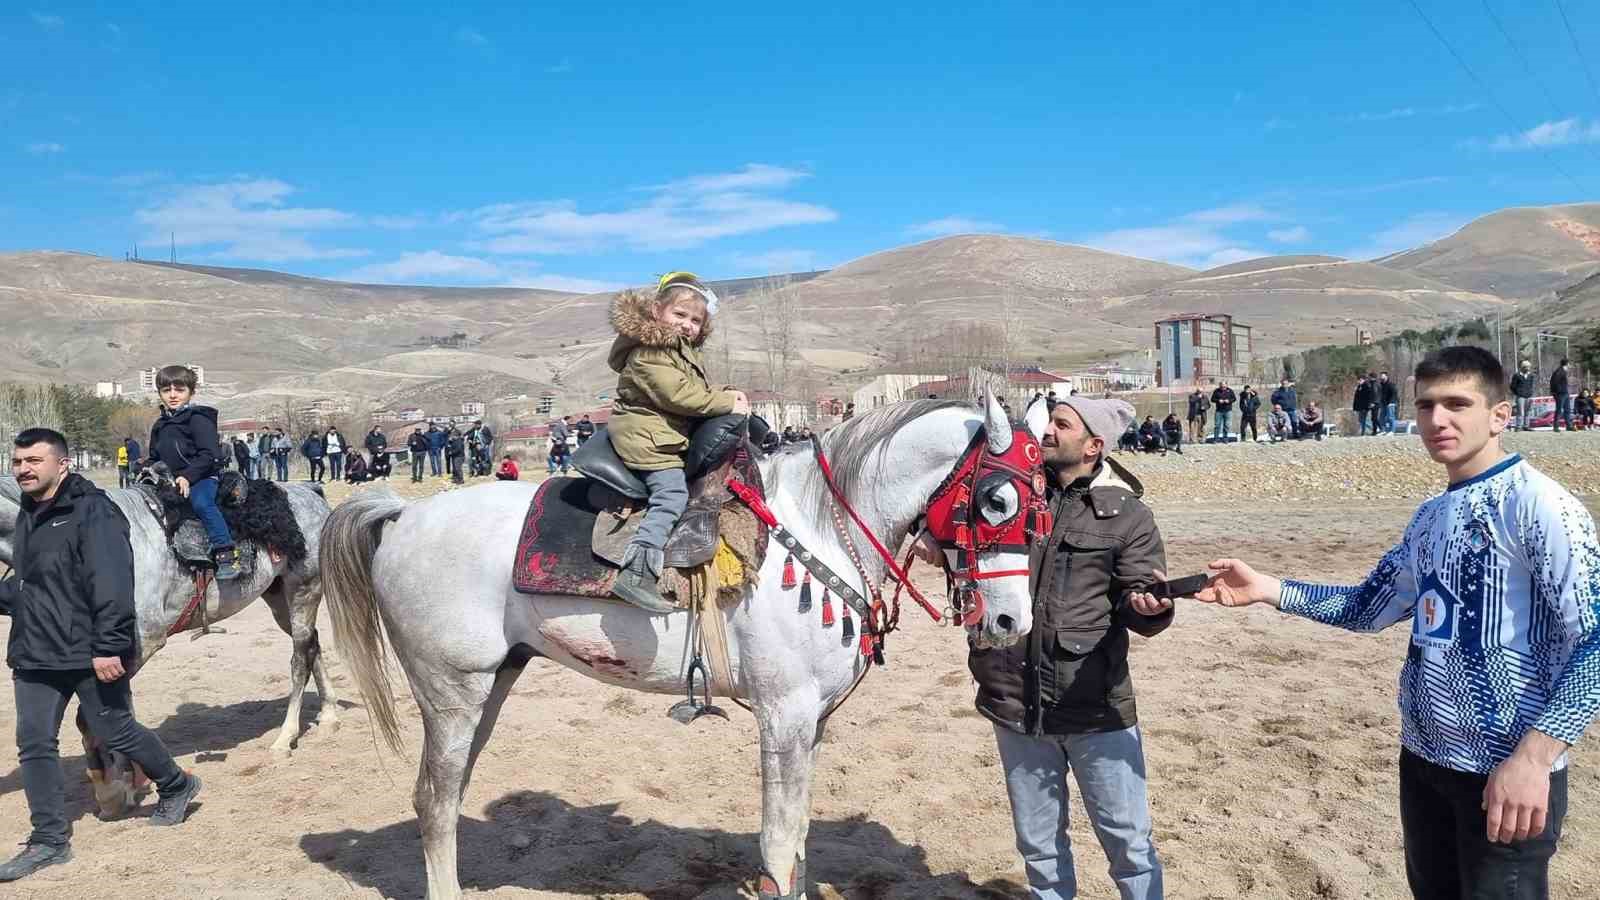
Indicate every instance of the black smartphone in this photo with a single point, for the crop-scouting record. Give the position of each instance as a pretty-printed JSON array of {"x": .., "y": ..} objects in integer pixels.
[{"x": 1179, "y": 587}]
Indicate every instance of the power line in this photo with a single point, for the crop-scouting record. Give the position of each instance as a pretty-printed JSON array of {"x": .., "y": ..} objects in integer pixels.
[
  {"x": 1576, "y": 49},
  {"x": 1511, "y": 120},
  {"x": 1555, "y": 108}
]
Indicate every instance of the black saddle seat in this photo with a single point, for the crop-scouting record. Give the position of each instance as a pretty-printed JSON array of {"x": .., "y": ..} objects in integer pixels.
[{"x": 710, "y": 445}]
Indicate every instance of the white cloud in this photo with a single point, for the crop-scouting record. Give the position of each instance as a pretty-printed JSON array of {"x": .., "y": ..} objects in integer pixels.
[
  {"x": 953, "y": 225},
  {"x": 47, "y": 20},
  {"x": 679, "y": 215},
  {"x": 399, "y": 223},
  {"x": 1196, "y": 245},
  {"x": 472, "y": 37},
  {"x": 1414, "y": 231},
  {"x": 1549, "y": 134},
  {"x": 247, "y": 219},
  {"x": 436, "y": 268},
  {"x": 773, "y": 262},
  {"x": 1297, "y": 234},
  {"x": 1229, "y": 215},
  {"x": 1229, "y": 255},
  {"x": 44, "y": 148},
  {"x": 1407, "y": 112}
]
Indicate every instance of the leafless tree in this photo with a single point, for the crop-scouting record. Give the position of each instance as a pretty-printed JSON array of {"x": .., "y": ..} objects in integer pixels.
[
  {"x": 28, "y": 406},
  {"x": 777, "y": 311}
]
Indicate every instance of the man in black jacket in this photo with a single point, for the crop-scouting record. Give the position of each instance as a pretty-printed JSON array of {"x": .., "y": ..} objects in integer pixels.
[
  {"x": 1388, "y": 402},
  {"x": 73, "y": 634},
  {"x": 418, "y": 445},
  {"x": 585, "y": 427},
  {"x": 1063, "y": 698},
  {"x": 1362, "y": 404},
  {"x": 1560, "y": 389},
  {"x": 1222, "y": 400},
  {"x": 1249, "y": 405}
]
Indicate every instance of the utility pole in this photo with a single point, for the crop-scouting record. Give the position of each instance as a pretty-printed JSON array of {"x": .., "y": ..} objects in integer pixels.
[{"x": 174, "y": 237}]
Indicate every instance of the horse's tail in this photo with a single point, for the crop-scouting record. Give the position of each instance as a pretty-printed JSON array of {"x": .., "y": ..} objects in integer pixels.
[{"x": 350, "y": 538}]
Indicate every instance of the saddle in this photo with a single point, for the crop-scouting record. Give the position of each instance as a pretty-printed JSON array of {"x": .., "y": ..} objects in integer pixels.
[
  {"x": 257, "y": 512},
  {"x": 576, "y": 529}
]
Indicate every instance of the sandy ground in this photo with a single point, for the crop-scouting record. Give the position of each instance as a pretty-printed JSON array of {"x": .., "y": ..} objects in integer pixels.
[{"x": 1271, "y": 745}]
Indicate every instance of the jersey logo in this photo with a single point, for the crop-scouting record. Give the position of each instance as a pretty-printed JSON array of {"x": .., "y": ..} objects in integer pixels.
[{"x": 1435, "y": 624}]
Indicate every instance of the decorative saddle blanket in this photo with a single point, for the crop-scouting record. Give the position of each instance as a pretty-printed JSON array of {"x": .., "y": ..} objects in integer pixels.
[
  {"x": 576, "y": 529},
  {"x": 257, "y": 512}
]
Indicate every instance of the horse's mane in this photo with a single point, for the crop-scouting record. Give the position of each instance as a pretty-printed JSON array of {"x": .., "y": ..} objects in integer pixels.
[{"x": 854, "y": 446}]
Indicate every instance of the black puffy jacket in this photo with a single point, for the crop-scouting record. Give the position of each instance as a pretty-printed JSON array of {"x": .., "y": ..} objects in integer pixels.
[
  {"x": 186, "y": 441},
  {"x": 71, "y": 596}
]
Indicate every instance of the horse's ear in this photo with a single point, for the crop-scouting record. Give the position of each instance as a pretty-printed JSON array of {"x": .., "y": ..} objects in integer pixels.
[
  {"x": 996, "y": 425},
  {"x": 1037, "y": 417}
]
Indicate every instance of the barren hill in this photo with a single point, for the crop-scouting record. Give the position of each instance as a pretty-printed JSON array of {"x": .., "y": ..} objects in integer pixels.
[
  {"x": 1300, "y": 301},
  {"x": 1521, "y": 253}
]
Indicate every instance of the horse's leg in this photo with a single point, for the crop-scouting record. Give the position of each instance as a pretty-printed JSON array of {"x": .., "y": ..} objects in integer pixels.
[
  {"x": 277, "y": 598},
  {"x": 303, "y": 605},
  {"x": 504, "y": 678},
  {"x": 452, "y": 708},
  {"x": 788, "y": 751},
  {"x": 111, "y": 784}
]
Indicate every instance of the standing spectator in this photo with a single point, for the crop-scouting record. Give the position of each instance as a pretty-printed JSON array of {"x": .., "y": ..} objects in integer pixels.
[
  {"x": 122, "y": 465},
  {"x": 1285, "y": 398},
  {"x": 456, "y": 451},
  {"x": 281, "y": 448},
  {"x": 418, "y": 445},
  {"x": 1559, "y": 389},
  {"x": 558, "y": 430},
  {"x": 1223, "y": 399},
  {"x": 1363, "y": 403},
  {"x": 1172, "y": 429},
  {"x": 437, "y": 439},
  {"x": 135, "y": 458},
  {"x": 1198, "y": 404},
  {"x": 254, "y": 445},
  {"x": 1249, "y": 405},
  {"x": 508, "y": 469},
  {"x": 333, "y": 445},
  {"x": 376, "y": 442},
  {"x": 311, "y": 448},
  {"x": 1583, "y": 408},
  {"x": 73, "y": 633},
  {"x": 486, "y": 435},
  {"x": 1388, "y": 401},
  {"x": 1522, "y": 382},
  {"x": 241, "y": 455},
  {"x": 1311, "y": 421},
  {"x": 264, "y": 455},
  {"x": 585, "y": 427},
  {"x": 1279, "y": 425}
]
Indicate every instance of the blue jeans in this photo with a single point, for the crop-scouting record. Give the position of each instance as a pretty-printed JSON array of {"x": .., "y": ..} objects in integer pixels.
[
  {"x": 336, "y": 465},
  {"x": 435, "y": 460},
  {"x": 203, "y": 497},
  {"x": 1220, "y": 429},
  {"x": 1109, "y": 769},
  {"x": 282, "y": 463},
  {"x": 1388, "y": 418}
]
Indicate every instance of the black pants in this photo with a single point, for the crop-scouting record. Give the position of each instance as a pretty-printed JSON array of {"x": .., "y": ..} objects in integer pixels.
[
  {"x": 416, "y": 466},
  {"x": 41, "y": 701},
  {"x": 456, "y": 475},
  {"x": 316, "y": 468},
  {"x": 1248, "y": 420},
  {"x": 1448, "y": 856},
  {"x": 1377, "y": 415}
]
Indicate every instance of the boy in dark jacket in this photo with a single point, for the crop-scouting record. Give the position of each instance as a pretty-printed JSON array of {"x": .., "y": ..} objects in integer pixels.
[{"x": 185, "y": 438}]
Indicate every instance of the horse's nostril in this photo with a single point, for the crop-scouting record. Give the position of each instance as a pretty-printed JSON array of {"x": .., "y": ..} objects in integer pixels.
[{"x": 1004, "y": 622}]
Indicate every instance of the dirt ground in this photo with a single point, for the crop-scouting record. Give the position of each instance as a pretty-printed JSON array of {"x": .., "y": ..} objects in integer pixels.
[{"x": 1271, "y": 745}]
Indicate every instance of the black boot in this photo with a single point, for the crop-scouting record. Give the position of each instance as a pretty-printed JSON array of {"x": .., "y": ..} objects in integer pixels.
[
  {"x": 228, "y": 567},
  {"x": 638, "y": 582},
  {"x": 33, "y": 858}
]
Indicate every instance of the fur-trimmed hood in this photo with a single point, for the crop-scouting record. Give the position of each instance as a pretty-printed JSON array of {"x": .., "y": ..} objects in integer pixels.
[{"x": 633, "y": 318}]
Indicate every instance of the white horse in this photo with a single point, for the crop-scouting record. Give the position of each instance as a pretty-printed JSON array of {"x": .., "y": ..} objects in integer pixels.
[
  {"x": 436, "y": 577},
  {"x": 163, "y": 591}
]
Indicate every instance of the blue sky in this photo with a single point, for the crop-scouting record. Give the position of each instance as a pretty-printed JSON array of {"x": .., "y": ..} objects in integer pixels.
[{"x": 583, "y": 147}]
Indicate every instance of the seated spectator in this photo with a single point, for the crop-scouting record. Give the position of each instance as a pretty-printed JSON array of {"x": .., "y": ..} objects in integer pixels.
[
  {"x": 1150, "y": 437},
  {"x": 1173, "y": 431},
  {"x": 508, "y": 469},
  {"x": 355, "y": 468},
  {"x": 1584, "y": 408},
  {"x": 380, "y": 465},
  {"x": 1279, "y": 427},
  {"x": 1130, "y": 438},
  {"x": 1311, "y": 421}
]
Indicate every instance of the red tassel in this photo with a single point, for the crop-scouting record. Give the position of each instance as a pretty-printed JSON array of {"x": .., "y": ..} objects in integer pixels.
[
  {"x": 866, "y": 643},
  {"x": 827, "y": 609},
  {"x": 788, "y": 573}
]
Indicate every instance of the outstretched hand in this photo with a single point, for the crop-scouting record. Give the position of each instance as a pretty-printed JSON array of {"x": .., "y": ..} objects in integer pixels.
[
  {"x": 1146, "y": 604},
  {"x": 1235, "y": 583}
]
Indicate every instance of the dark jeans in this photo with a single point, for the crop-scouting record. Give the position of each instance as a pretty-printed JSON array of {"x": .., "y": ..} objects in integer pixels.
[
  {"x": 315, "y": 464},
  {"x": 122, "y": 476},
  {"x": 456, "y": 465},
  {"x": 1563, "y": 412},
  {"x": 435, "y": 461},
  {"x": 416, "y": 467},
  {"x": 1248, "y": 420},
  {"x": 1448, "y": 856},
  {"x": 41, "y": 700},
  {"x": 336, "y": 465},
  {"x": 282, "y": 462}
]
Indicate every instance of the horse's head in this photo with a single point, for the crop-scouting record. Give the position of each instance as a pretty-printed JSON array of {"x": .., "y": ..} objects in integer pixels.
[
  {"x": 986, "y": 517},
  {"x": 10, "y": 508}
]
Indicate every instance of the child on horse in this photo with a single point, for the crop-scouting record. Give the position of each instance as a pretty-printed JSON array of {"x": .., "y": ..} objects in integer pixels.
[
  {"x": 662, "y": 392},
  {"x": 185, "y": 438}
]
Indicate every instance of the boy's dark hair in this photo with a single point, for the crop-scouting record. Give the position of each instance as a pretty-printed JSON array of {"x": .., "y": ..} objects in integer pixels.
[
  {"x": 182, "y": 376},
  {"x": 55, "y": 439},
  {"x": 1465, "y": 362},
  {"x": 1563, "y": 361}
]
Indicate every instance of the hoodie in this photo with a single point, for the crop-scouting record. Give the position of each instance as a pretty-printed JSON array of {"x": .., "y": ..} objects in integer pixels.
[
  {"x": 661, "y": 387},
  {"x": 186, "y": 440}
]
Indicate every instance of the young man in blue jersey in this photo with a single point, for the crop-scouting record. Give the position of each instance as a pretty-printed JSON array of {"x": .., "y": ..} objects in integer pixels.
[{"x": 1499, "y": 577}]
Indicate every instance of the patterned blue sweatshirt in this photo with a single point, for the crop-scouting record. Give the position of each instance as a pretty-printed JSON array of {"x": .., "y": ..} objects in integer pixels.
[{"x": 1500, "y": 578}]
